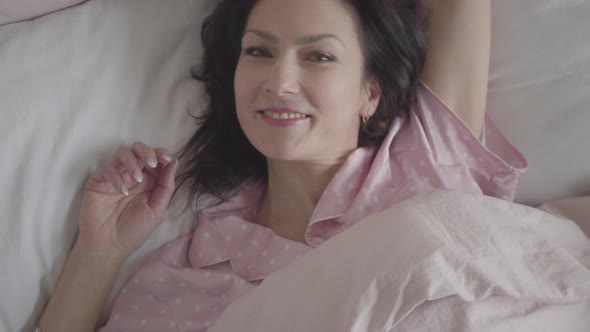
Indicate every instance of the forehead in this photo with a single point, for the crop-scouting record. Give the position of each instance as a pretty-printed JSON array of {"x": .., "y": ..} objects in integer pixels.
[{"x": 291, "y": 19}]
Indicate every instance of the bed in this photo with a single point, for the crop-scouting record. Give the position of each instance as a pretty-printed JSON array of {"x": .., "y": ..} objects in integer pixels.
[{"x": 78, "y": 79}]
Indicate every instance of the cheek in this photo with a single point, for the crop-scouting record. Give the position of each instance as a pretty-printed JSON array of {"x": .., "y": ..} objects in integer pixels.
[
  {"x": 240, "y": 86},
  {"x": 337, "y": 97},
  {"x": 244, "y": 91},
  {"x": 241, "y": 94}
]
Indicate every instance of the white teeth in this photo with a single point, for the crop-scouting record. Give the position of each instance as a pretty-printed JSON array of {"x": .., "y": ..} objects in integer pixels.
[{"x": 284, "y": 116}]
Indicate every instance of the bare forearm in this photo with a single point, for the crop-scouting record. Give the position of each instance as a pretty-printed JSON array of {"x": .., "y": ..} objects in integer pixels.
[
  {"x": 458, "y": 57},
  {"x": 462, "y": 28},
  {"x": 82, "y": 289}
]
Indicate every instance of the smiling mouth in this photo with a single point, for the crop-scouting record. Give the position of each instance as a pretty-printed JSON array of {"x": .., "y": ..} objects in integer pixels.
[{"x": 284, "y": 115}]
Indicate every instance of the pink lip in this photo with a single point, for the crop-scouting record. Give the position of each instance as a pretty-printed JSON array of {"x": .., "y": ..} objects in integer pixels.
[
  {"x": 282, "y": 123},
  {"x": 283, "y": 110}
]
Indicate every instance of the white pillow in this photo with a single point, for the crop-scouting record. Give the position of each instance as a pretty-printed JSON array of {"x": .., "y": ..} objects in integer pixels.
[
  {"x": 538, "y": 94},
  {"x": 18, "y": 10},
  {"x": 74, "y": 85}
]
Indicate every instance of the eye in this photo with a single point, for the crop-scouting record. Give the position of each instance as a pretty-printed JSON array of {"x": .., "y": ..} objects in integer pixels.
[
  {"x": 257, "y": 52},
  {"x": 321, "y": 57}
]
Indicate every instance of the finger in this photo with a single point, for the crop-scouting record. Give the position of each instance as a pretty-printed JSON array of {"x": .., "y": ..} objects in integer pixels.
[
  {"x": 146, "y": 169},
  {"x": 146, "y": 154},
  {"x": 129, "y": 162},
  {"x": 164, "y": 157},
  {"x": 160, "y": 198},
  {"x": 116, "y": 179},
  {"x": 97, "y": 175},
  {"x": 128, "y": 181}
]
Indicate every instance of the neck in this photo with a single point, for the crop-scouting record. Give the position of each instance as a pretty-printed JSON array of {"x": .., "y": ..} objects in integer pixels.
[{"x": 293, "y": 191}]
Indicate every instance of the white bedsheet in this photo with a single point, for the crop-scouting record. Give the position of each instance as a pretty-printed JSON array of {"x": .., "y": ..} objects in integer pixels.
[
  {"x": 74, "y": 85},
  {"x": 538, "y": 92},
  {"x": 445, "y": 262},
  {"x": 77, "y": 83},
  {"x": 18, "y": 10}
]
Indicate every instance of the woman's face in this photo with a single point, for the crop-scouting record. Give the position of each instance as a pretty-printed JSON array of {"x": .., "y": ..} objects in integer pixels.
[{"x": 300, "y": 83}]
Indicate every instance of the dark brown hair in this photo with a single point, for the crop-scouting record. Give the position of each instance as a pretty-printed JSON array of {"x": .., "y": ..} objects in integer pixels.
[{"x": 218, "y": 159}]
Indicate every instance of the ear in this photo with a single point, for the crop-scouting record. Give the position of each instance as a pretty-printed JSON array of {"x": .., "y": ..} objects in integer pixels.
[{"x": 372, "y": 93}]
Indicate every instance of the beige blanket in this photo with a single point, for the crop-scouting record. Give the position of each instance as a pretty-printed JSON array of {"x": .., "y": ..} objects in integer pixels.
[{"x": 445, "y": 261}]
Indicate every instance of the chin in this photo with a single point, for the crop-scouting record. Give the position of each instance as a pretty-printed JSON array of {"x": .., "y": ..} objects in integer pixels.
[{"x": 279, "y": 151}]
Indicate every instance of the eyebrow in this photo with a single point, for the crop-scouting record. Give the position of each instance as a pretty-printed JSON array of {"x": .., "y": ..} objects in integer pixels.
[{"x": 301, "y": 41}]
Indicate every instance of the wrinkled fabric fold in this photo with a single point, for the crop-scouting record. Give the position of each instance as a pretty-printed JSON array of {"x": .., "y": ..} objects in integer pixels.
[{"x": 476, "y": 251}]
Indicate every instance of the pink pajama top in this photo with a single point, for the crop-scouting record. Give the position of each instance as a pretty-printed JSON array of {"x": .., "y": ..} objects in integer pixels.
[{"x": 188, "y": 283}]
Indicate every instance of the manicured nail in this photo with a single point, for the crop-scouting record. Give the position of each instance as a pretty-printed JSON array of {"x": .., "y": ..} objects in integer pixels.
[
  {"x": 167, "y": 157},
  {"x": 152, "y": 163},
  {"x": 124, "y": 190},
  {"x": 138, "y": 176}
]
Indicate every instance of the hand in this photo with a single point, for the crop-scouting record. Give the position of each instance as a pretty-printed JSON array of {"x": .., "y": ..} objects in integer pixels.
[{"x": 124, "y": 202}]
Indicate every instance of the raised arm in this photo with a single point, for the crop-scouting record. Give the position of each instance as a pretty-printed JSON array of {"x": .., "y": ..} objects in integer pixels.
[
  {"x": 458, "y": 57},
  {"x": 122, "y": 204}
]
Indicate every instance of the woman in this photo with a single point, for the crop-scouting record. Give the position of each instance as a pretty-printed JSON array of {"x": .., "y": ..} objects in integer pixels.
[{"x": 320, "y": 113}]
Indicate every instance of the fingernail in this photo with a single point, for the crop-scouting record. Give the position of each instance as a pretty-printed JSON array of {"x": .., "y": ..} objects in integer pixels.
[
  {"x": 138, "y": 176},
  {"x": 124, "y": 190},
  {"x": 167, "y": 157},
  {"x": 152, "y": 163}
]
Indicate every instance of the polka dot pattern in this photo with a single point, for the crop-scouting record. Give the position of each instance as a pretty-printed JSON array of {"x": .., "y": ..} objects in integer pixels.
[{"x": 190, "y": 281}]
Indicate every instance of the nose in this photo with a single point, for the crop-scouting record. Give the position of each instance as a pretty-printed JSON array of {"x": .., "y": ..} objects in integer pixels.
[{"x": 283, "y": 78}]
